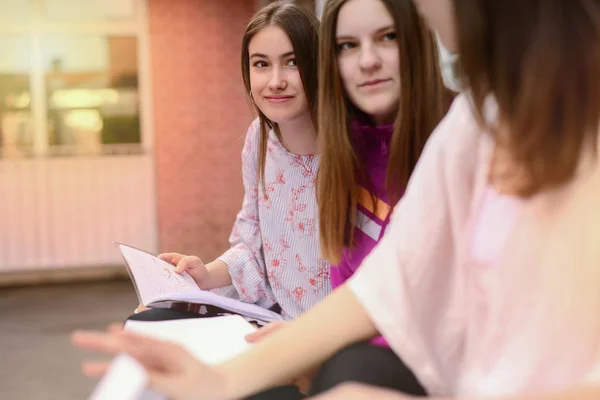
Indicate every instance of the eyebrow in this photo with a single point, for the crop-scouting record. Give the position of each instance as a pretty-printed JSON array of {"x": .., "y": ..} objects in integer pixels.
[
  {"x": 378, "y": 31},
  {"x": 260, "y": 55}
]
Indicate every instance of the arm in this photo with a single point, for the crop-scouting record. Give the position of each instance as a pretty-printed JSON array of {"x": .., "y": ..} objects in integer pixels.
[
  {"x": 576, "y": 393},
  {"x": 353, "y": 391},
  {"x": 243, "y": 263}
]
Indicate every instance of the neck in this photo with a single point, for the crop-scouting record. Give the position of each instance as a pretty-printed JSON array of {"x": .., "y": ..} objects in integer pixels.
[
  {"x": 299, "y": 135},
  {"x": 384, "y": 119}
]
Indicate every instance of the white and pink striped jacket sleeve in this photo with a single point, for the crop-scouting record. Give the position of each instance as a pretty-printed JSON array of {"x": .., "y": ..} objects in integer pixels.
[{"x": 245, "y": 258}]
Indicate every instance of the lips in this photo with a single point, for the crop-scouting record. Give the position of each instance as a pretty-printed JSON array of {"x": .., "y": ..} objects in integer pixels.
[
  {"x": 374, "y": 82},
  {"x": 278, "y": 99}
]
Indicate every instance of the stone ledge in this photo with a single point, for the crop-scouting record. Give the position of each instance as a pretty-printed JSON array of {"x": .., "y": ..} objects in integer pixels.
[{"x": 62, "y": 275}]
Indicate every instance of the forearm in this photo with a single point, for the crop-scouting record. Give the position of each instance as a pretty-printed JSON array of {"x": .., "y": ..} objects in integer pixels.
[
  {"x": 577, "y": 393},
  {"x": 334, "y": 323},
  {"x": 218, "y": 275}
]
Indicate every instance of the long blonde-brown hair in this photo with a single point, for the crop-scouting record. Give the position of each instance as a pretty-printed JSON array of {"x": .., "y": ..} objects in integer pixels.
[
  {"x": 544, "y": 72},
  {"x": 302, "y": 28},
  {"x": 423, "y": 102}
]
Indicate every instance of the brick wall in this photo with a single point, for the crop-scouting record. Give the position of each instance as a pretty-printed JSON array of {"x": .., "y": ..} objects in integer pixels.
[{"x": 200, "y": 118}]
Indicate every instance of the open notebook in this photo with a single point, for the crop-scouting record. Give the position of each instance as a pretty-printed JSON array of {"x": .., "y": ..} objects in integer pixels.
[
  {"x": 211, "y": 340},
  {"x": 158, "y": 286}
]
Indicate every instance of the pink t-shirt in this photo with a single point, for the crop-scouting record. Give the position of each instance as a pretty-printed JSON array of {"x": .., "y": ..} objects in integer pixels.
[{"x": 482, "y": 294}]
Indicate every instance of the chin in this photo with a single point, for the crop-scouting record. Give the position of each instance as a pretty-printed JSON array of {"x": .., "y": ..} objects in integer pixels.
[
  {"x": 378, "y": 110},
  {"x": 377, "y": 106},
  {"x": 281, "y": 116}
]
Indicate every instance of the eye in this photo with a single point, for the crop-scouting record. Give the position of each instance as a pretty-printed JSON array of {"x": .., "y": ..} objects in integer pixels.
[
  {"x": 344, "y": 46},
  {"x": 260, "y": 64},
  {"x": 389, "y": 36},
  {"x": 291, "y": 62}
]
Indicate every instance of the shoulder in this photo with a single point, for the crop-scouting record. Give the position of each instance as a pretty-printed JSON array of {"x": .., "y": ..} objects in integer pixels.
[
  {"x": 459, "y": 144},
  {"x": 459, "y": 129},
  {"x": 252, "y": 138},
  {"x": 253, "y": 133}
]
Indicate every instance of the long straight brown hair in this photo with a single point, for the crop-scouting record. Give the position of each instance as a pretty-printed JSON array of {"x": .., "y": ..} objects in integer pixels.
[
  {"x": 423, "y": 102},
  {"x": 302, "y": 28},
  {"x": 541, "y": 61}
]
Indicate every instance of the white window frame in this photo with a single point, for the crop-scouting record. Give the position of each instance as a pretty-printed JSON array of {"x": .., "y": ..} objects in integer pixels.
[{"x": 37, "y": 27}]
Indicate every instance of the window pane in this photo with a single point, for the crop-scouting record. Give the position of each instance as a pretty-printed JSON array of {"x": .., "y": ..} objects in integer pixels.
[
  {"x": 92, "y": 89},
  {"x": 77, "y": 10},
  {"x": 16, "y": 11},
  {"x": 16, "y": 129}
]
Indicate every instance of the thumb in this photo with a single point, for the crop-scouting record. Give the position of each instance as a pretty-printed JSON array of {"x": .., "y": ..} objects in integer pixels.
[
  {"x": 171, "y": 258},
  {"x": 187, "y": 263}
]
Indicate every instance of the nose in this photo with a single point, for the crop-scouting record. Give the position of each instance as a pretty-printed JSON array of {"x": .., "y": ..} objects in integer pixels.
[
  {"x": 370, "y": 59},
  {"x": 277, "y": 81}
]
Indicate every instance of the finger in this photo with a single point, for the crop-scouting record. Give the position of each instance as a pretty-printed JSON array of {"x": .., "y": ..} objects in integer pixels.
[
  {"x": 115, "y": 327},
  {"x": 114, "y": 342},
  {"x": 94, "y": 369},
  {"x": 155, "y": 354},
  {"x": 256, "y": 336},
  {"x": 186, "y": 263},
  {"x": 253, "y": 337},
  {"x": 95, "y": 341},
  {"x": 263, "y": 332},
  {"x": 172, "y": 258}
]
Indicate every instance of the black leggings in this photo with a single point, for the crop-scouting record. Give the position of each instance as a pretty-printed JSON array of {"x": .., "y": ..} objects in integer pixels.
[
  {"x": 361, "y": 363},
  {"x": 368, "y": 364}
]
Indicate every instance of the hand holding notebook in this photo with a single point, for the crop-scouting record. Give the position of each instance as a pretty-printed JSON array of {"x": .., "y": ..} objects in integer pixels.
[{"x": 159, "y": 286}]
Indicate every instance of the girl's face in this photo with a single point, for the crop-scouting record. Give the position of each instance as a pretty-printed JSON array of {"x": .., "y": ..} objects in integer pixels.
[
  {"x": 439, "y": 15},
  {"x": 369, "y": 58},
  {"x": 274, "y": 76}
]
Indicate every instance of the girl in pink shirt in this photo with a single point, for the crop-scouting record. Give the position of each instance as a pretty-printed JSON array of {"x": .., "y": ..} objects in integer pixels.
[{"x": 487, "y": 283}]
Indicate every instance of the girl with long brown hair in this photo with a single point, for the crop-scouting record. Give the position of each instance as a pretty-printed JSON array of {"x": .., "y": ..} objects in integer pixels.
[
  {"x": 274, "y": 259},
  {"x": 381, "y": 94}
]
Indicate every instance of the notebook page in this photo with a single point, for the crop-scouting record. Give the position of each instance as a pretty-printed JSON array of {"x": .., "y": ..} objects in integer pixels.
[
  {"x": 211, "y": 340},
  {"x": 237, "y": 306},
  {"x": 125, "y": 379},
  {"x": 154, "y": 277}
]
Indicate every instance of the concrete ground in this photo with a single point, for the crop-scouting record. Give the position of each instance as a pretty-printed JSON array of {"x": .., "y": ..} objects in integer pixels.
[{"x": 37, "y": 361}]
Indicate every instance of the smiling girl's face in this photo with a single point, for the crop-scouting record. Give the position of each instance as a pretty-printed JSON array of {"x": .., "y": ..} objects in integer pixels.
[{"x": 275, "y": 81}]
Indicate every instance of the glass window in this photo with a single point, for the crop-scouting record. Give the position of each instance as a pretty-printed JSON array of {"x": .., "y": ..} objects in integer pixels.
[
  {"x": 15, "y": 11},
  {"x": 78, "y": 10},
  {"x": 16, "y": 127},
  {"x": 92, "y": 92}
]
